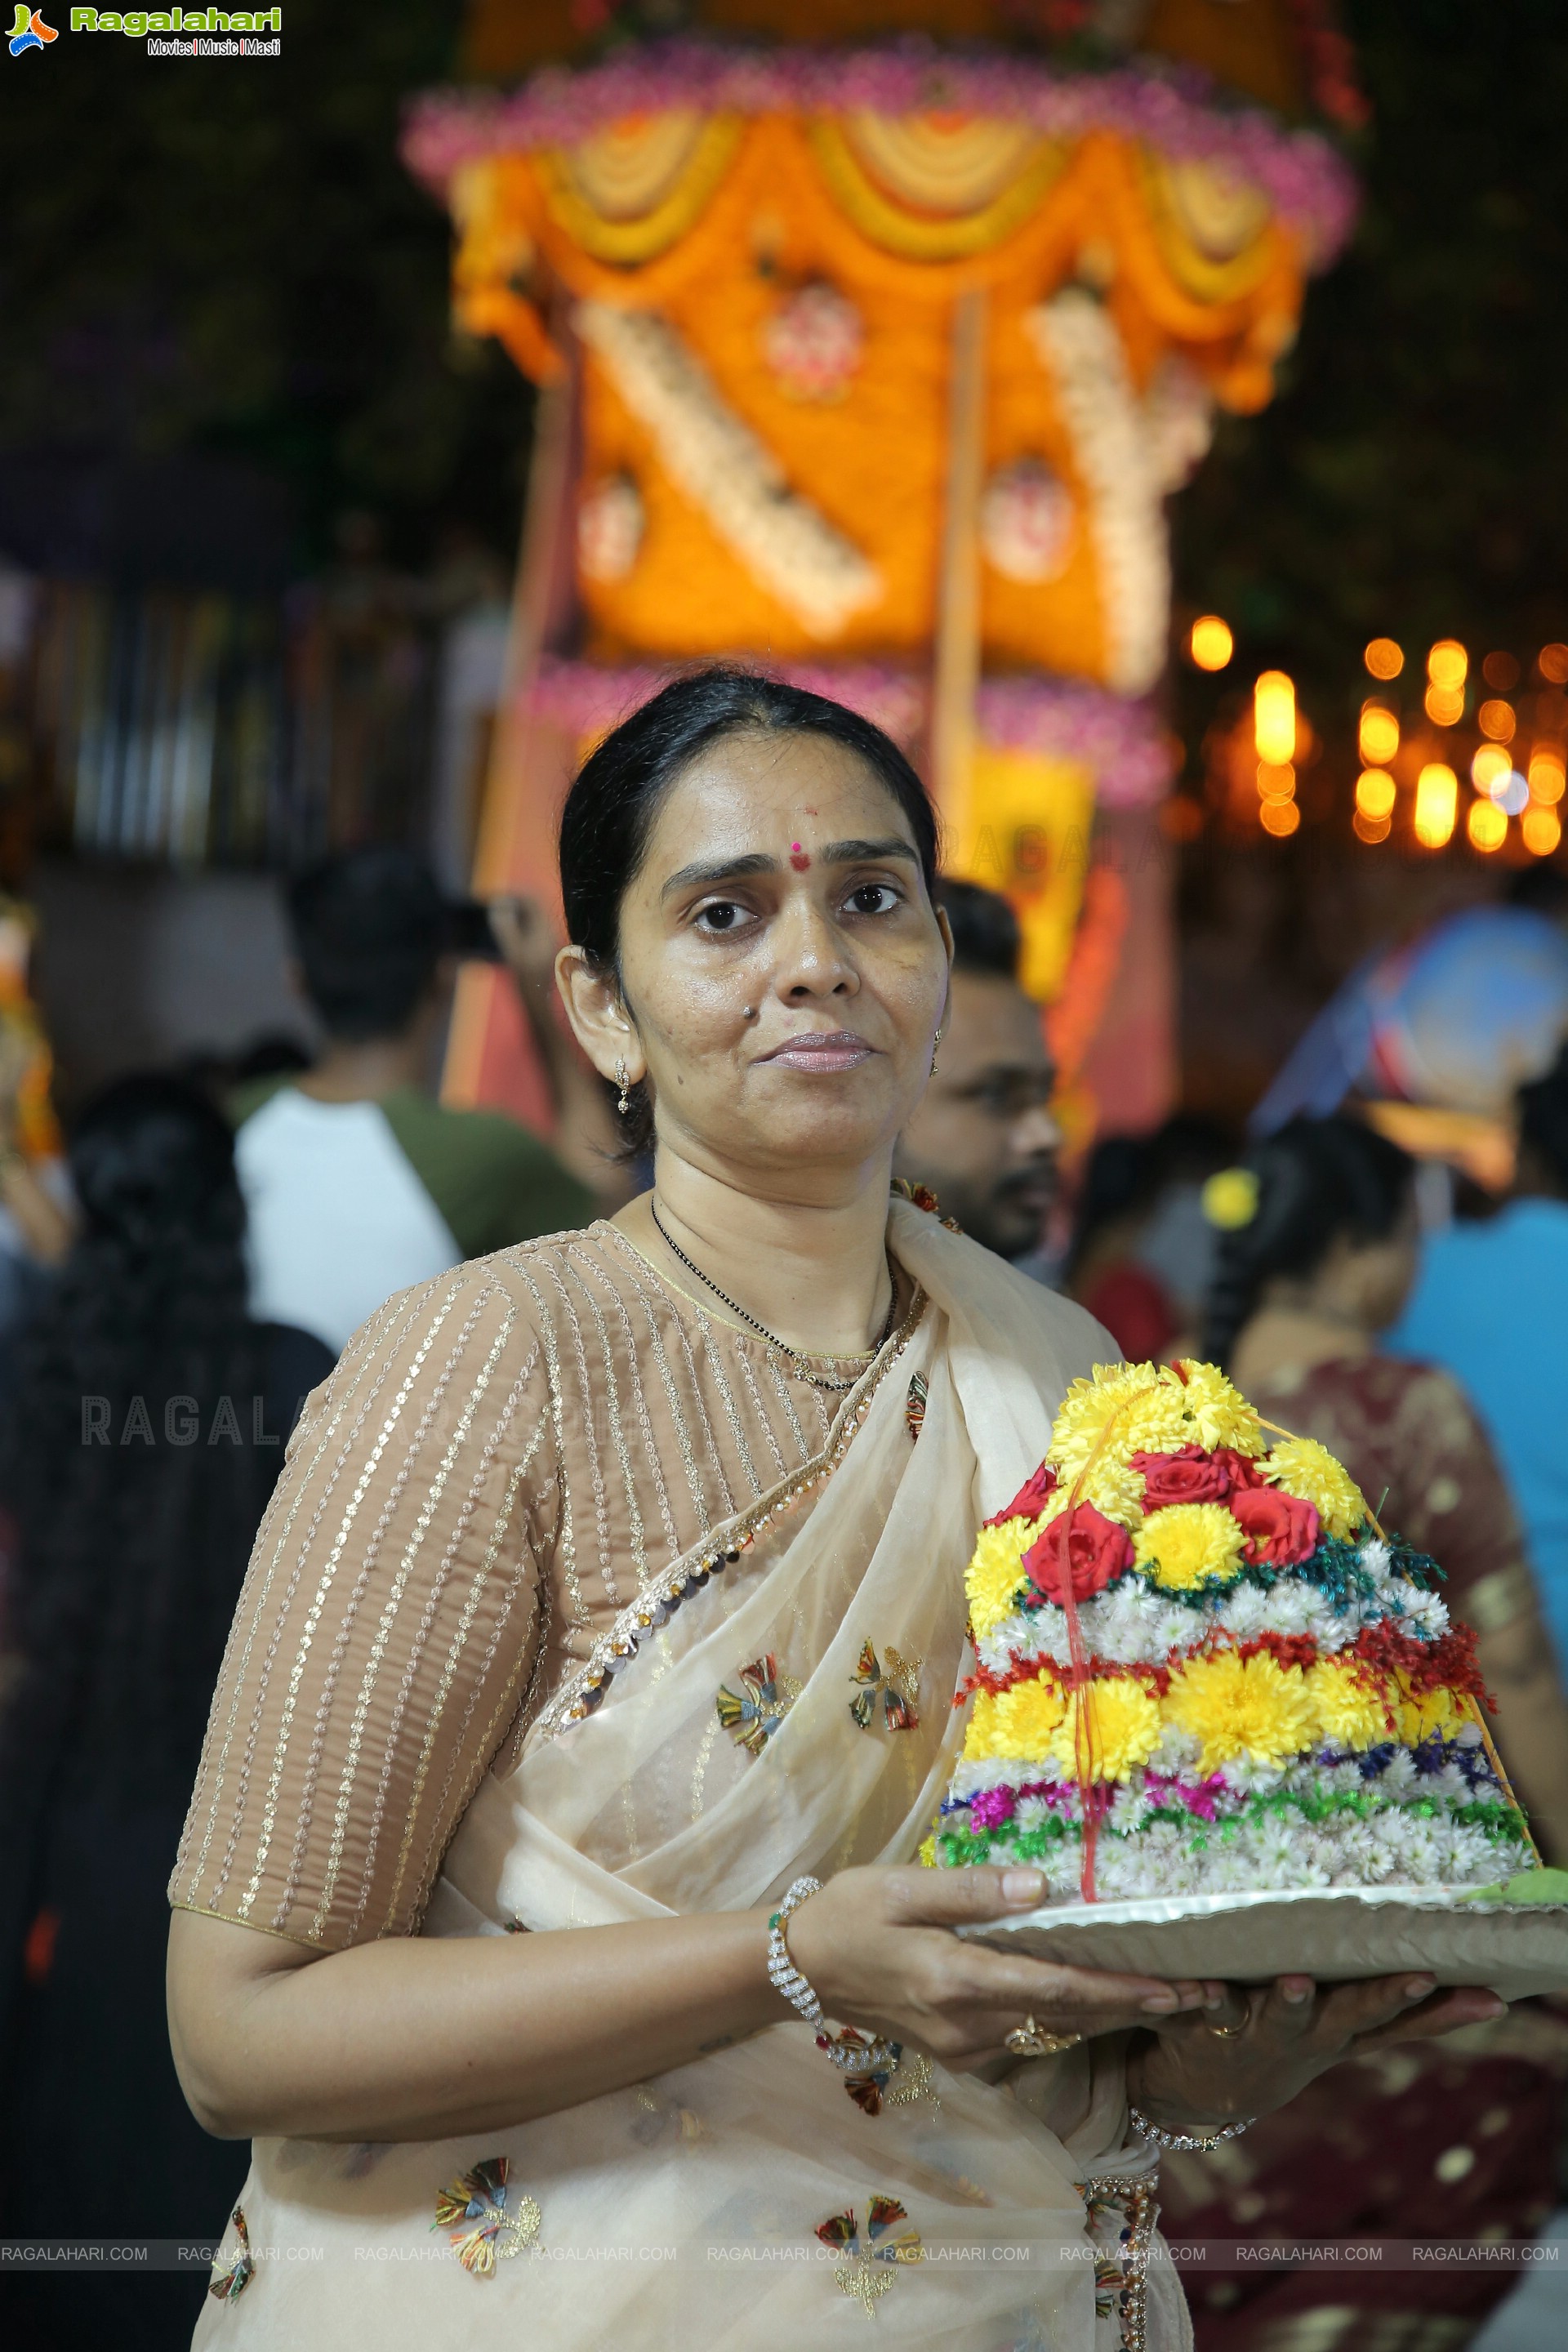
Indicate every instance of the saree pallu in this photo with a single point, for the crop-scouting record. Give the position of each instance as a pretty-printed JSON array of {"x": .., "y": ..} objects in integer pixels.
[{"x": 734, "y": 2200}]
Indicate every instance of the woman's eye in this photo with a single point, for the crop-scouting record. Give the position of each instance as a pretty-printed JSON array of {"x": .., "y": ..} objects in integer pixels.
[
  {"x": 723, "y": 915},
  {"x": 874, "y": 899}
]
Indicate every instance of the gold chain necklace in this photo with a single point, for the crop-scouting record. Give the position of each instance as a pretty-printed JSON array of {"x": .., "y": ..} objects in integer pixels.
[{"x": 796, "y": 1362}]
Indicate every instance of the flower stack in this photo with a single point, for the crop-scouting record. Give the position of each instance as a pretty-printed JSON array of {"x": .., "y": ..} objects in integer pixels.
[{"x": 1203, "y": 1668}]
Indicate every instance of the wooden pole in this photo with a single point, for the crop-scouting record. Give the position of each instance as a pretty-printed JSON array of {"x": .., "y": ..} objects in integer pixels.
[
  {"x": 515, "y": 848},
  {"x": 956, "y": 674}
]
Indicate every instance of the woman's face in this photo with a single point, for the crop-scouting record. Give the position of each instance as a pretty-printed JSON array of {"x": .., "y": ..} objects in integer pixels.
[{"x": 784, "y": 972}]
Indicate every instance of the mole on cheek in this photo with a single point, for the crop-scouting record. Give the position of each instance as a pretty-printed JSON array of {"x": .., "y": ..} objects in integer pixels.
[{"x": 797, "y": 857}]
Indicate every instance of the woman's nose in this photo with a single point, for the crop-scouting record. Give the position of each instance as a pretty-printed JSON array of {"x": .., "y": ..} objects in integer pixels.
[{"x": 810, "y": 957}]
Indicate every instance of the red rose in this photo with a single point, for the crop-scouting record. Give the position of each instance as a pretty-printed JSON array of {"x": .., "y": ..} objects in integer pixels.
[
  {"x": 1244, "y": 1471},
  {"x": 1280, "y": 1529},
  {"x": 1082, "y": 1543},
  {"x": 1031, "y": 1498},
  {"x": 1190, "y": 1476}
]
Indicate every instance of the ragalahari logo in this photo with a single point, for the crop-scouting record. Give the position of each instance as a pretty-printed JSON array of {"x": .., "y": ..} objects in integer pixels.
[{"x": 30, "y": 32}]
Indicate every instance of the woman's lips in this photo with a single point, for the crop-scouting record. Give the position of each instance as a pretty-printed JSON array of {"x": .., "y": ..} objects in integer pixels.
[{"x": 842, "y": 1051}]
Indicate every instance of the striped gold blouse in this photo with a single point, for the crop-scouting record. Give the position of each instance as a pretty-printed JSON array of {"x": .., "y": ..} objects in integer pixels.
[{"x": 501, "y": 1460}]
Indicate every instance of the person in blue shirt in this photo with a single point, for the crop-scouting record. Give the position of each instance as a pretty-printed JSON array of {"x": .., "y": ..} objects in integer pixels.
[{"x": 1490, "y": 1304}]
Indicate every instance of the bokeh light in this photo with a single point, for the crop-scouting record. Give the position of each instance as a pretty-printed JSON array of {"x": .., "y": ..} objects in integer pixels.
[
  {"x": 1379, "y": 734},
  {"x": 1511, "y": 793},
  {"x": 1445, "y": 705},
  {"x": 1496, "y": 719},
  {"x": 1541, "y": 830},
  {"x": 1279, "y": 817},
  {"x": 1274, "y": 719},
  {"x": 1487, "y": 826},
  {"x": 1436, "y": 804},
  {"x": 1546, "y": 774},
  {"x": 1276, "y": 783},
  {"x": 1502, "y": 671},
  {"x": 1447, "y": 664},
  {"x": 1374, "y": 794},
  {"x": 1383, "y": 658},
  {"x": 1371, "y": 829},
  {"x": 1210, "y": 641},
  {"x": 1555, "y": 664},
  {"x": 1490, "y": 766}
]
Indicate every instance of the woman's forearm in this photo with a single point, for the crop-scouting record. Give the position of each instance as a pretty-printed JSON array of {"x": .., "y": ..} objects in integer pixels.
[{"x": 416, "y": 2039}]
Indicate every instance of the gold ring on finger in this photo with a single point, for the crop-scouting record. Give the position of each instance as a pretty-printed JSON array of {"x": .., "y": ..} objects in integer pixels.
[
  {"x": 1229, "y": 2032},
  {"x": 1032, "y": 2041}
]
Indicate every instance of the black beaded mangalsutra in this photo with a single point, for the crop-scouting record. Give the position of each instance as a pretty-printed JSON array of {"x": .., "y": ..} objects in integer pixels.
[{"x": 797, "y": 1363}]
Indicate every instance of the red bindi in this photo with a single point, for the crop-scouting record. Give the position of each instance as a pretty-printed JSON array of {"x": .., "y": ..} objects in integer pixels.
[{"x": 797, "y": 857}]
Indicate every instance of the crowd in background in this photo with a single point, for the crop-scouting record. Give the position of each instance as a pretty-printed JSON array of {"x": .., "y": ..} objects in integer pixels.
[{"x": 223, "y": 1232}]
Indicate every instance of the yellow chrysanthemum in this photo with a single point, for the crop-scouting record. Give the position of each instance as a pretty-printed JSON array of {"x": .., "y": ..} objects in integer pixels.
[
  {"x": 1243, "y": 1706},
  {"x": 1186, "y": 1544},
  {"x": 926, "y": 1854},
  {"x": 1218, "y": 1412},
  {"x": 1436, "y": 1710},
  {"x": 1125, "y": 1409},
  {"x": 1017, "y": 1723},
  {"x": 994, "y": 1577},
  {"x": 1354, "y": 1706},
  {"x": 1299, "y": 1465},
  {"x": 1110, "y": 1727}
]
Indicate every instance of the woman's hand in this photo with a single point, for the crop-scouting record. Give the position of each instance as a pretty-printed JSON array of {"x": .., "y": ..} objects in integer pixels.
[
  {"x": 876, "y": 1948},
  {"x": 1259, "y": 2047}
]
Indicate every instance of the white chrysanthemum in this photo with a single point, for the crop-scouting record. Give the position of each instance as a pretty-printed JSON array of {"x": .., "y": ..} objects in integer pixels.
[
  {"x": 1273, "y": 1853},
  {"x": 1248, "y": 1773},
  {"x": 1375, "y": 1555},
  {"x": 1292, "y": 1611},
  {"x": 1398, "y": 1777},
  {"x": 1178, "y": 1751},
  {"x": 1246, "y": 1610},
  {"x": 1129, "y": 1809}
]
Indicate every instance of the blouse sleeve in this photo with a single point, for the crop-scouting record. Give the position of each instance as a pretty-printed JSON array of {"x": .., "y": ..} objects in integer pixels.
[{"x": 387, "y": 1625}]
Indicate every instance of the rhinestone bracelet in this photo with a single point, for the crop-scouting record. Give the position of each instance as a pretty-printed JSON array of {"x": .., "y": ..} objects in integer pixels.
[
  {"x": 1184, "y": 2140},
  {"x": 783, "y": 1974},
  {"x": 857, "y": 2059}
]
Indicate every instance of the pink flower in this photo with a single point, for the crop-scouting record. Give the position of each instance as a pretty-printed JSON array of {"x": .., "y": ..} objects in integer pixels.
[
  {"x": 1082, "y": 1545},
  {"x": 1280, "y": 1528}
]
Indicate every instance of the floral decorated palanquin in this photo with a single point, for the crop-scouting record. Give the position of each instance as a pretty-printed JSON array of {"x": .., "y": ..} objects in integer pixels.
[{"x": 876, "y": 365}]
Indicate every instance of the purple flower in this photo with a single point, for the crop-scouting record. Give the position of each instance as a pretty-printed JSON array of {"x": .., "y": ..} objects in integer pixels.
[{"x": 992, "y": 1808}]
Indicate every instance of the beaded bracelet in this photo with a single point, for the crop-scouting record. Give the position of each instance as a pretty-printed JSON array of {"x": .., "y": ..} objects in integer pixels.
[
  {"x": 1184, "y": 2140},
  {"x": 856, "y": 2058}
]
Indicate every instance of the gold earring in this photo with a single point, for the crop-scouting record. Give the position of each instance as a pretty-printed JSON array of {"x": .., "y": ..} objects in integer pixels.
[
  {"x": 935, "y": 1044},
  {"x": 623, "y": 1080}
]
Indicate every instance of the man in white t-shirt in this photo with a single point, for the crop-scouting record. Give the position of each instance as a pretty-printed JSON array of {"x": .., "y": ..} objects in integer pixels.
[{"x": 357, "y": 1183}]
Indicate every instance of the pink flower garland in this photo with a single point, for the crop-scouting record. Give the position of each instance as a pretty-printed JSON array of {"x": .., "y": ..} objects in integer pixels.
[
  {"x": 1130, "y": 753},
  {"x": 1175, "y": 110}
]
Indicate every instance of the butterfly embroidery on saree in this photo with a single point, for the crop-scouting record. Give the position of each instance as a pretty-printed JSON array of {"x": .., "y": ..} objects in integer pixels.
[
  {"x": 898, "y": 1683},
  {"x": 865, "y": 2270},
  {"x": 765, "y": 1698},
  {"x": 474, "y": 2213}
]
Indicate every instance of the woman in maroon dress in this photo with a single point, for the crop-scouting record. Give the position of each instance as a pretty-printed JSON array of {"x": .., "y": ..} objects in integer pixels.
[{"x": 1457, "y": 2141}]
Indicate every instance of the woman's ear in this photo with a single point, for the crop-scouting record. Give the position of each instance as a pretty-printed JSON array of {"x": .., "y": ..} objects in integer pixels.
[
  {"x": 600, "y": 1022},
  {"x": 945, "y": 927}
]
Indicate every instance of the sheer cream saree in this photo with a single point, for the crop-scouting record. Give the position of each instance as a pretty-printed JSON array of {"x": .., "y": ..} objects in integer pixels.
[{"x": 687, "y": 2209}]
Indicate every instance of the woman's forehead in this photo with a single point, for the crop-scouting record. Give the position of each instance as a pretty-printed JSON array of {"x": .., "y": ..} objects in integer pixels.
[{"x": 766, "y": 784}]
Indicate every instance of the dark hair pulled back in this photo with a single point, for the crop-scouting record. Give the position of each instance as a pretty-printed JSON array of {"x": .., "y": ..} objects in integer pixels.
[
  {"x": 1318, "y": 1180},
  {"x": 611, "y": 807}
]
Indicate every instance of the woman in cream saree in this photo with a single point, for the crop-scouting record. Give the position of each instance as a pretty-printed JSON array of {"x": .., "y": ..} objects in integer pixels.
[{"x": 589, "y": 1619}]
